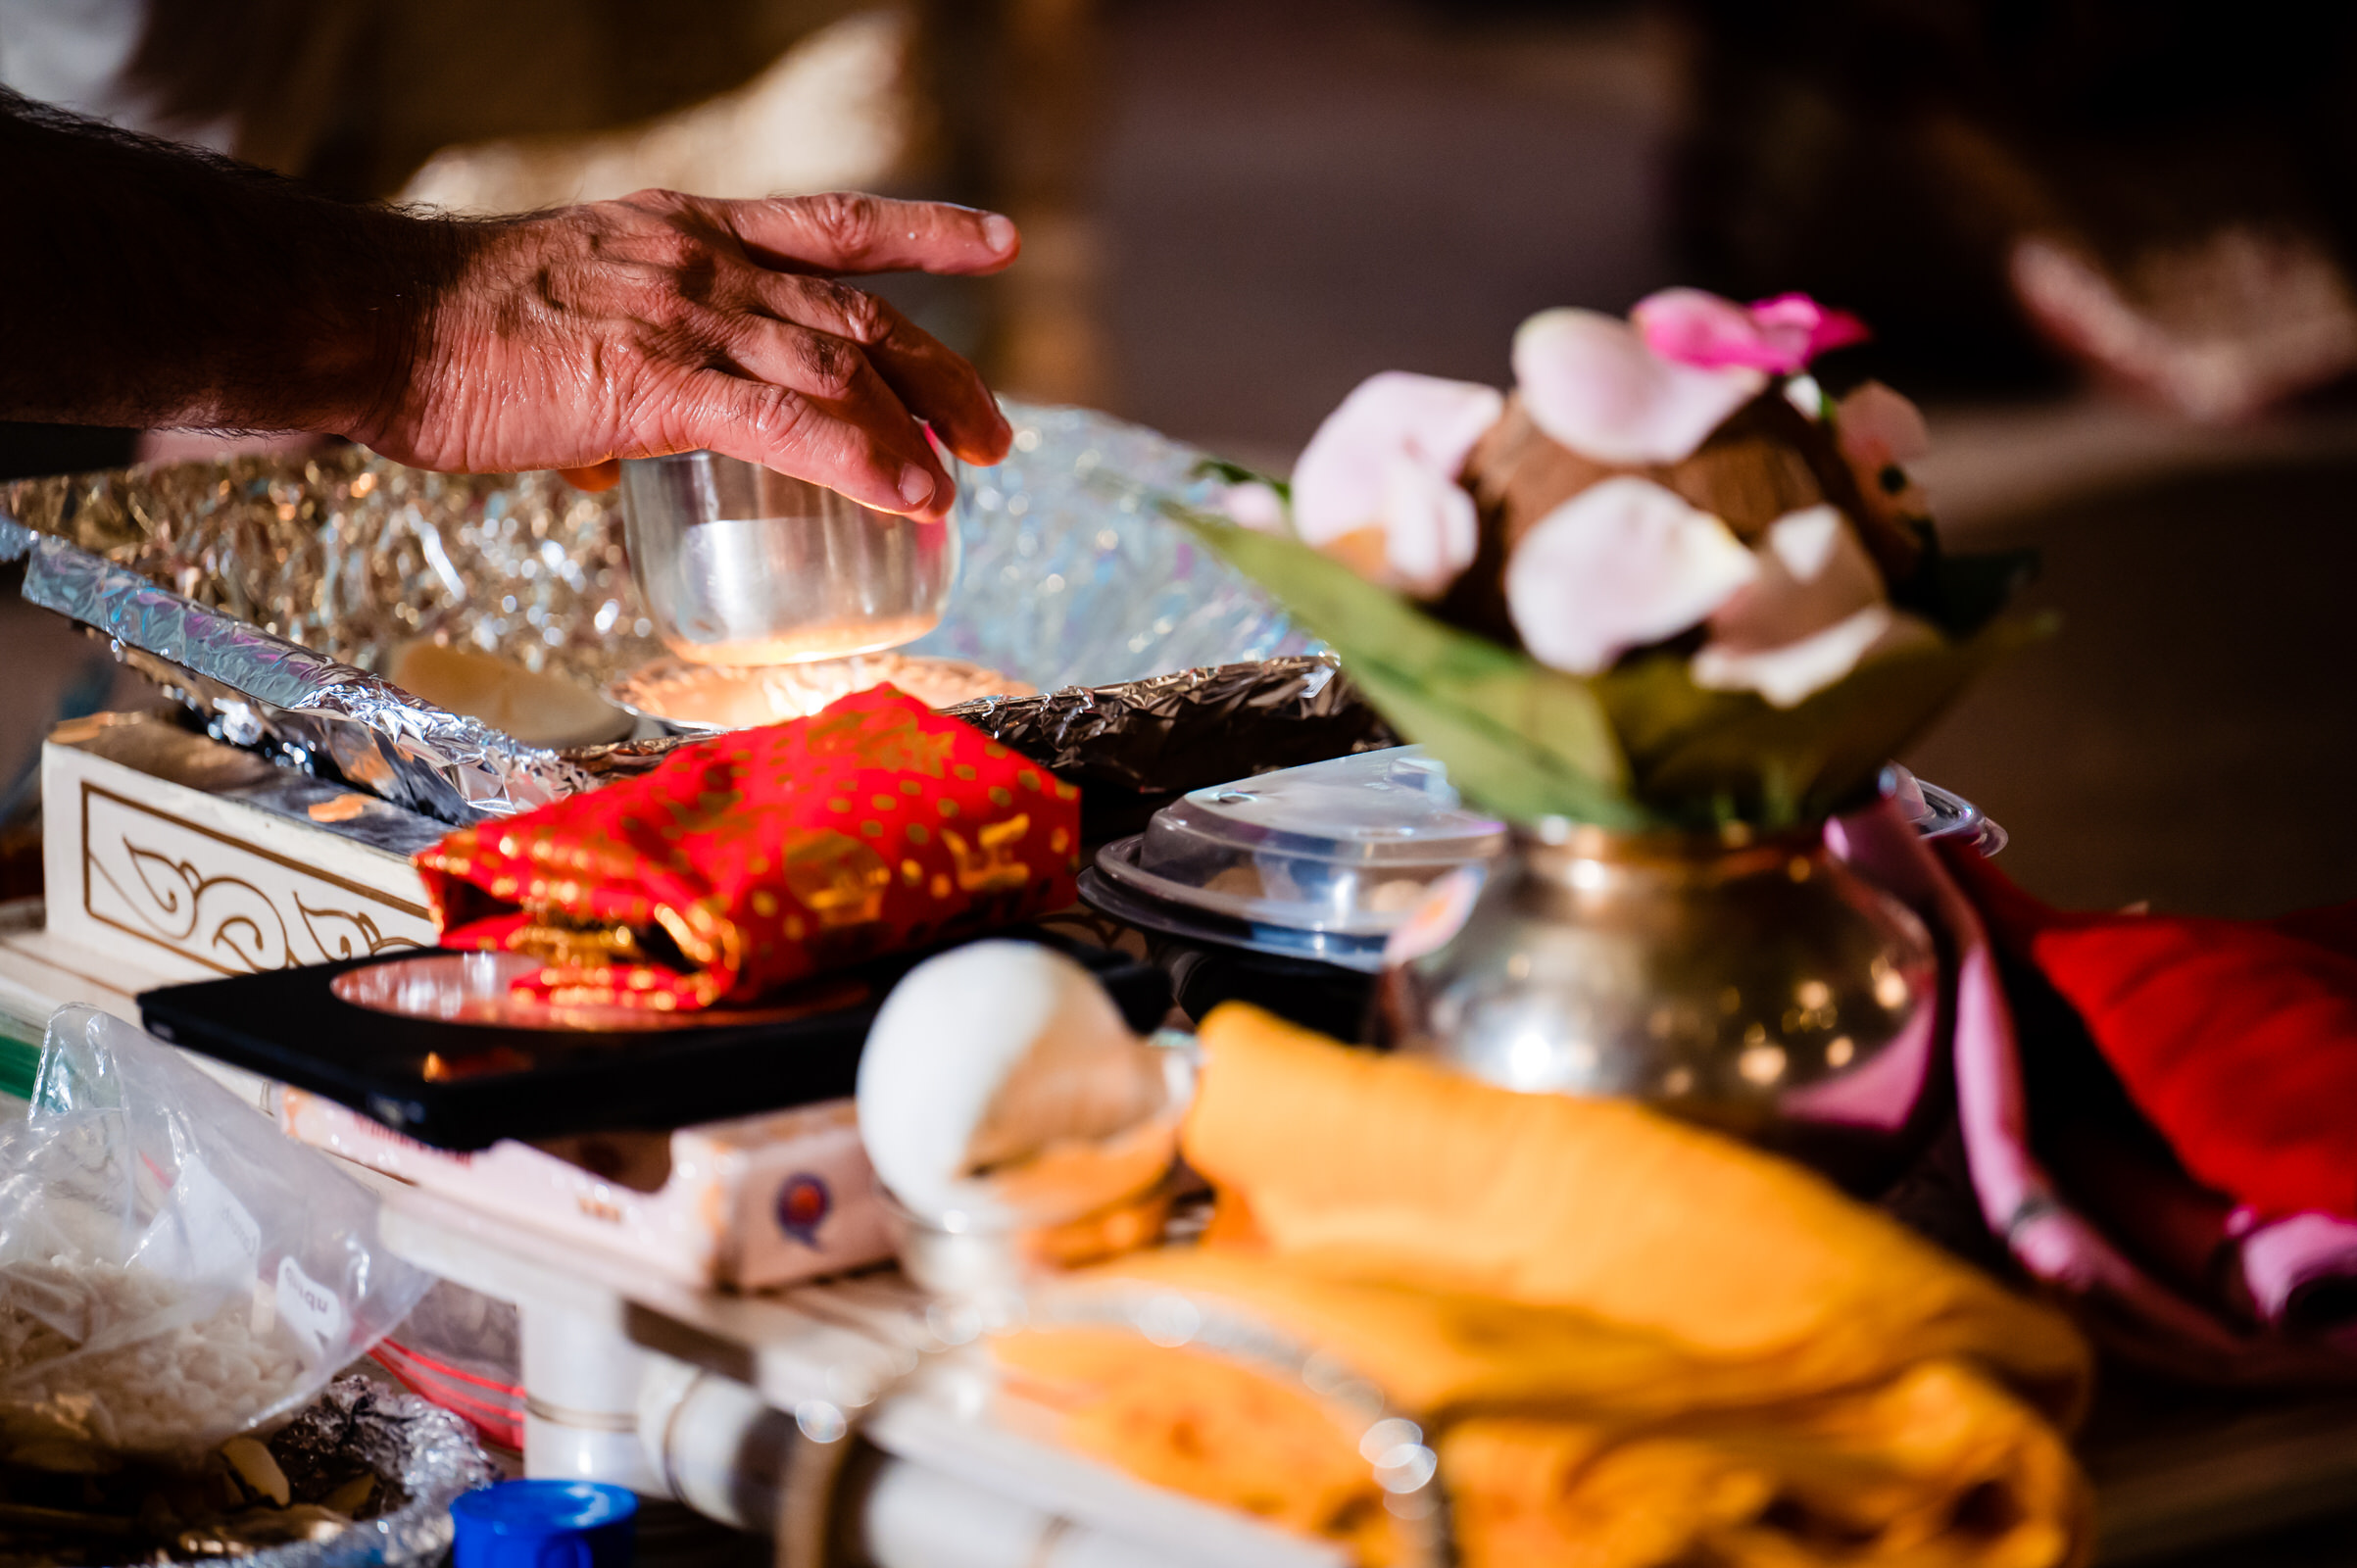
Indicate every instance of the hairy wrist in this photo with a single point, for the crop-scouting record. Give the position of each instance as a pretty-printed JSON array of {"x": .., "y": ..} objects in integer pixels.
[{"x": 152, "y": 285}]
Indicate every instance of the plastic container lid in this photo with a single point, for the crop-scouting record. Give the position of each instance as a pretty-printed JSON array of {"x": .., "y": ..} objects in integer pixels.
[
  {"x": 1322, "y": 862},
  {"x": 1939, "y": 813},
  {"x": 1346, "y": 847},
  {"x": 545, "y": 1524}
]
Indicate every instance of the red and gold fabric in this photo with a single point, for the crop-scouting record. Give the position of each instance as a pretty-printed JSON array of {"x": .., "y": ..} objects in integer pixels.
[{"x": 756, "y": 859}]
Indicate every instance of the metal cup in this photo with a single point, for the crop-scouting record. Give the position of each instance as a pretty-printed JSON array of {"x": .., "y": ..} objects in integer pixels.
[{"x": 739, "y": 564}]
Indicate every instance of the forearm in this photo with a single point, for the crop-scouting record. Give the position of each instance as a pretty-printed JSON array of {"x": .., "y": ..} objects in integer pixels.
[{"x": 147, "y": 285}]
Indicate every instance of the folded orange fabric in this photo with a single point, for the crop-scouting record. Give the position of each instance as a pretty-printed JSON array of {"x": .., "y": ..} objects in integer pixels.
[
  {"x": 758, "y": 859},
  {"x": 2237, "y": 1038},
  {"x": 1632, "y": 1343}
]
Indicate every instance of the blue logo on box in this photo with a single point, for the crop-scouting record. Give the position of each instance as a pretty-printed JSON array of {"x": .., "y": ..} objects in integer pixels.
[{"x": 803, "y": 1205}]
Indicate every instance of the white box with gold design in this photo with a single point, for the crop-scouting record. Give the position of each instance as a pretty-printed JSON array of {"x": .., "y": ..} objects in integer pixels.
[{"x": 191, "y": 858}]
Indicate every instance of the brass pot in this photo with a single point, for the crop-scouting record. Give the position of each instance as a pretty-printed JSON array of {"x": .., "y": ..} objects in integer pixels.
[{"x": 1753, "y": 983}]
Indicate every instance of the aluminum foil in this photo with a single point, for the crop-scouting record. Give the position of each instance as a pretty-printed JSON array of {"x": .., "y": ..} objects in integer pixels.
[
  {"x": 429, "y": 1452},
  {"x": 1190, "y": 728},
  {"x": 350, "y": 556},
  {"x": 310, "y": 709},
  {"x": 264, "y": 592}
]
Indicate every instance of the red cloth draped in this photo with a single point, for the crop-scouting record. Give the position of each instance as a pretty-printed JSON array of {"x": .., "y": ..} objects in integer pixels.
[{"x": 2237, "y": 1039}]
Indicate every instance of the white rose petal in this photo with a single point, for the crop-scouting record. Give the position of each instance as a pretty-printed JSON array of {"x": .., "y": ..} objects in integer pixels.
[
  {"x": 1813, "y": 572},
  {"x": 1789, "y": 676},
  {"x": 1388, "y": 458},
  {"x": 1622, "y": 564},
  {"x": 1590, "y": 381}
]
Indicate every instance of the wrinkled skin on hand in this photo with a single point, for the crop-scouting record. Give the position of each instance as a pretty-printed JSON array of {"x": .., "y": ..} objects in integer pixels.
[{"x": 665, "y": 322}]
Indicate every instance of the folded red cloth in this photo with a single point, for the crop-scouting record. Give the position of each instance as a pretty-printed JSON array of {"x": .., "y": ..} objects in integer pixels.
[
  {"x": 756, "y": 859},
  {"x": 2237, "y": 1039}
]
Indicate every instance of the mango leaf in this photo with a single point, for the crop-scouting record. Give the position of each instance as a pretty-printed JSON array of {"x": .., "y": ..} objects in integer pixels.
[
  {"x": 1962, "y": 594},
  {"x": 1702, "y": 754},
  {"x": 1523, "y": 740},
  {"x": 1227, "y": 472}
]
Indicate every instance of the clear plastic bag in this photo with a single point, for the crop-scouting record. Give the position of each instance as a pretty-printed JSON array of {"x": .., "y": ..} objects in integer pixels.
[
  {"x": 465, "y": 1352},
  {"x": 172, "y": 1270}
]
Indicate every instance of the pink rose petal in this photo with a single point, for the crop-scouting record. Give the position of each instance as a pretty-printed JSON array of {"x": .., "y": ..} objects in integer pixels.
[
  {"x": 1622, "y": 564},
  {"x": 1814, "y": 571},
  {"x": 1879, "y": 433},
  {"x": 1877, "y": 426},
  {"x": 1778, "y": 335},
  {"x": 1388, "y": 458},
  {"x": 1789, "y": 676},
  {"x": 1591, "y": 383},
  {"x": 1816, "y": 609}
]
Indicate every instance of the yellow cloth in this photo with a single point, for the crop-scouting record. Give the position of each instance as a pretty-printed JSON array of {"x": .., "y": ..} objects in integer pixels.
[{"x": 1640, "y": 1343}]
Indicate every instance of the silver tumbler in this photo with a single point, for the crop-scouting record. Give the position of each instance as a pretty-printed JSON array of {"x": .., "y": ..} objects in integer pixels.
[{"x": 739, "y": 564}]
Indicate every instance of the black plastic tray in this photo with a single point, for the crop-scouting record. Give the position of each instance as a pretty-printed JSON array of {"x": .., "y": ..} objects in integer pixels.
[{"x": 529, "y": 1083}]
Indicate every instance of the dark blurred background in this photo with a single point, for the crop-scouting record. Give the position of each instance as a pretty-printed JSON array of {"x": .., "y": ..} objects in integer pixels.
[{"x": 2104, "y": 243}]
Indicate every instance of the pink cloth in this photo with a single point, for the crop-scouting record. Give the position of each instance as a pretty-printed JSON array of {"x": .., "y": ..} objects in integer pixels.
[{"x": 2134, "y": 1313}]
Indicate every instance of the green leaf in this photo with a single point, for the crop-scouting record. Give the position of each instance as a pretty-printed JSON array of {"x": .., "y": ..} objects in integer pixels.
[
  {"x": 1962, "y": 595},
  {"x": 1523, "y": 740},
  {"x": 1733, "y": 756},
  {"x": 1227, "y": 472}
]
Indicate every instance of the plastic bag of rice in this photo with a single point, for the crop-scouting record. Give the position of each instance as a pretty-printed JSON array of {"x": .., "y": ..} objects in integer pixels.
[{"x": 171, "y": 1269}]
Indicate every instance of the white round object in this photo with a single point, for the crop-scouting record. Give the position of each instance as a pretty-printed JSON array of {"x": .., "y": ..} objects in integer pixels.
[{"x": 1000, "y": 1083}]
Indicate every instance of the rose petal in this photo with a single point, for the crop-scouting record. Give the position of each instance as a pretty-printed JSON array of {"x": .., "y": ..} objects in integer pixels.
[
  {"x": 1780, "y": 335},
  {"x": 1388, "y": 459},
  {"x": 1592, "y": 384},
  {"x": 1622, "y": 564},
  {"x": 1430, "y": 530},
  {"x": 1879, "y": 433},
  {"x": 1255, "y": 506},
  {"x": 1878, "y": 426},
  {"x": 1814, "y": 572},
  {"x": 1797, "y": 320},
  {"x": 1694, "y": 326},
  {"x": 1789, "y": 676}
]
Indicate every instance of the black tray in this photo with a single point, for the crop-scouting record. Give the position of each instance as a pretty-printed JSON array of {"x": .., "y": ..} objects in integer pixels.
[{"x": 532, "y": 1083}]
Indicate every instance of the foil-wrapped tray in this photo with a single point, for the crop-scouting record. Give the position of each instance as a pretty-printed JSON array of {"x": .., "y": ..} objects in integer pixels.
[
  {"x": 268, "y": 594},
  {"x": 1190, "y": 728}
]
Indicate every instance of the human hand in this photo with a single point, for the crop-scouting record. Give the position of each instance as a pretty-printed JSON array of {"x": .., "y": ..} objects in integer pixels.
[{"x": 665, "y": 322}]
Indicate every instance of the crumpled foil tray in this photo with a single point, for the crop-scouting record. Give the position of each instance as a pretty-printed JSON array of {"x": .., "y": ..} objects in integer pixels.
[
  {"x": 424, "y": 1449},
  {"x": 264, "y": 593},
  {"x": 1166, "y": 734}
]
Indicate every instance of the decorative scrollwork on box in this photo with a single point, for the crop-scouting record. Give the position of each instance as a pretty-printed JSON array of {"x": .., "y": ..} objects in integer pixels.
[
  {"x": 347, "y": 933},
  {"x": 228, "y": 905}
]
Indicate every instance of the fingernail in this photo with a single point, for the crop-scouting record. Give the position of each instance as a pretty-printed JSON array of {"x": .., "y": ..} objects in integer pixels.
[
  {"x": 998, "y": 232},
  {"x": 917, "y": 486}
]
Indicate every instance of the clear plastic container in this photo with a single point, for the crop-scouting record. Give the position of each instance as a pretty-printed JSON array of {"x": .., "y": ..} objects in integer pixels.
[
  {"x": 1346, "y": 847},
  {"x": 1323, "y": 862}
]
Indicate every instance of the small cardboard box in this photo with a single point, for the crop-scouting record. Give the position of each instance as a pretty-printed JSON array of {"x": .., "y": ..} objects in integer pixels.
[{"x": 751, "y": 1203}]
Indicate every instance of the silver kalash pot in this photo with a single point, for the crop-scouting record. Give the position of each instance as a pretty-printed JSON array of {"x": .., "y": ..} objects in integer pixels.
[{"x": 1753, "y": 983}]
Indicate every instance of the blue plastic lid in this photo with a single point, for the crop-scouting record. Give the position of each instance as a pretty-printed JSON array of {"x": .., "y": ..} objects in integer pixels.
[{"x": 545, "y": 1524}]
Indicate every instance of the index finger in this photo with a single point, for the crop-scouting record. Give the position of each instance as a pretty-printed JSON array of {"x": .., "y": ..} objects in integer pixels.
[{"x": 847, "y": 232}]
